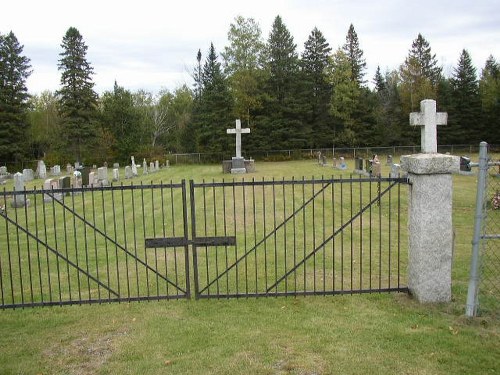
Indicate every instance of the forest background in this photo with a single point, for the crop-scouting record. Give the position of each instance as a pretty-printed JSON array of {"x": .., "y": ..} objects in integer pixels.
[{"x": 319, "y": 98}]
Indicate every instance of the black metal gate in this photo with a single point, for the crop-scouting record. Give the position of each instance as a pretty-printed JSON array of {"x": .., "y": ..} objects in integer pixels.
[
  {"x": 248, "y": 238},
  {"x": 299, "y": 237},
  {"x": 88, "y": 245}
]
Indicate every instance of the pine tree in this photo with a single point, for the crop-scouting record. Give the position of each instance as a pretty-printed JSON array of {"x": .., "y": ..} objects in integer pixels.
[
  {"x": 355, "y": 56},
  {"x": 464, "y": 117},
  {"x": 489, "y": 88},
  {"x": 317, "y": 91},
  {"x": 379, "y": 81},
  {"x": 78, "y": 101},
  {"x": 14, "y": 71},
  {"x": 420, "y": 75},
  {"x": 280, "y": 124},
  {"x": 213, "y": 111}
]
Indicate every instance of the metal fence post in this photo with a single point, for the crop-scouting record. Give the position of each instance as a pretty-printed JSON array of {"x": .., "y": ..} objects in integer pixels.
[{"x": 472, "y": 294}]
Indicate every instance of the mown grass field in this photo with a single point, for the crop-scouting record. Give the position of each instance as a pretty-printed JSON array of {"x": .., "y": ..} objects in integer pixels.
[{"x": 373, "y": 333}]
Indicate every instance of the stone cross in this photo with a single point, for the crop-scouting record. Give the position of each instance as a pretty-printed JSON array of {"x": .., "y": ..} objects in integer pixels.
[
  {"x": 428, "y": 118},
  {"x": 238, "y": 131}
]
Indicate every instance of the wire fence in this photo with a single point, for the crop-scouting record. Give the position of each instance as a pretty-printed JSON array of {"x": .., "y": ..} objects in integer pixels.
[{"x": 484, "y": 287}]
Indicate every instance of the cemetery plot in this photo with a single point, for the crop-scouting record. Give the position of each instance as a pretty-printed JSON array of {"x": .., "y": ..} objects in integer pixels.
[
  {"x": 88, "y": 245},
  {"x": 297, "y": 237}
]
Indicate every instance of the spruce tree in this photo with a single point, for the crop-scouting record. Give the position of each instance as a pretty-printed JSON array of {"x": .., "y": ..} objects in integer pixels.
[
  {"x": 317, "y": 90},
  {"x": 213, "y": 111},
  {"x": 489, "y": 88},
  {"x": 15, "y": 69},
  {"x": 464, "y": 117},
  {"x": 355, "y": 56},
  {"x": 78, "y": 101}
]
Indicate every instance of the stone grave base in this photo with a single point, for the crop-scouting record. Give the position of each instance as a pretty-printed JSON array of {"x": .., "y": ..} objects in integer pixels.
[{"x": 248, "y": 166}]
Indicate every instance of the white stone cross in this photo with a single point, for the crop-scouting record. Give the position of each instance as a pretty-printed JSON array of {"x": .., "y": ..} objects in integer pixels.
[
  {"x": 428, "y": 118},
  {"x": 238, "y": 131}
]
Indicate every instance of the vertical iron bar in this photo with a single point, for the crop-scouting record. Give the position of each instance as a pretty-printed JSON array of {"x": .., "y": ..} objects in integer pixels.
[
  {"x": 105, "y": 242},
  {"x": 399, "y": 233},
  {"x": 144, "y": 236},
  {"x": 370, "y": 242},
  {"x": 137, "y": 276},
  {"x": 341, "y": 235},
  {"x": 125, "y": 244},
  {"x": 304, "y": 236},
  {"x": 264, "y": 230},
  {"x": 216, "y": 248},
  {"x": 379, "y": 239},
  {"x": 245, "y": 234},
  {"x": 207, "y": 269},
  {"x": 76, "y": 245},
  {"x": 236, "y": 246},
  {"x": 85, "y": 244},
  {"x": 225, "y": 234},
  {"x": 361, "y": 235},
  {"x": 294, "y": 237},
  {"x": 56, "y": 246},
  {"x": 284, "y": 233},
  {"x": 37, "y": 247},
  {"x": 95, "y": 246},
  {"x": 333, "y": 231},
  {"x": 193, "y": 235},
  {"x": 185, "y": 234},
  {"x": 19, "y": 253},
  {"x": 314, "y": 233},
  {"x": 46, "y": 250},
  {"x": 275, "y": 237},
  {"x": 473, "y": 289},
  {"x": 154, "y": 235},
  {"x": 28, "y": 247},
  {"x": 66, "y": 244},
  {"x": 389, "y": 239},
  {"x": 324, "y": 234},
  {"x": 8, "y": 250},
  {"x": 164, "y": 232},
  {"x": 351, "y": 237},
  {"x": 185, "y": 230},
  {"x": 254, "y": 235}
]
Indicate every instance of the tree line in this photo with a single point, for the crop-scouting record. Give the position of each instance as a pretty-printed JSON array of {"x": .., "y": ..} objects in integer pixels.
[{"x": 315, "y": 99}]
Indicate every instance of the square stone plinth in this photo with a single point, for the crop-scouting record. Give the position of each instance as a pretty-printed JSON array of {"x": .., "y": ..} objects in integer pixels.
[{"x": 430, "y": 164}]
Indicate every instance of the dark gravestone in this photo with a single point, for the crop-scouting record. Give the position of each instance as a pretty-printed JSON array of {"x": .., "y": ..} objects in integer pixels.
[
  {"x": 226, "y": 166},
  {"x": 465, "y": 164},
  {"x": 358, "y": 164},
  {"x": 85, "y": 175},
  {"x": 65, "y": 183}
]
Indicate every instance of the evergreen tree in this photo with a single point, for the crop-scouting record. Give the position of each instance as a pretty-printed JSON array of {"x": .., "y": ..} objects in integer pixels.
[
  {"x": 464, "y": 117},
  {"x": 355, "y": 56},
  {"x": 213, "y": 111},
  {"x": 379, "y": 81},
  {"x": 15, "y": 69},
  {"x": 317, "y": 91},
  {"x": 121, "y": 119},
  {"x": 420, "y": 75},
  {"x": 280, "y": 124},
  {"x": 489, "y": 88},
  {"x": 78, "y": 101}
]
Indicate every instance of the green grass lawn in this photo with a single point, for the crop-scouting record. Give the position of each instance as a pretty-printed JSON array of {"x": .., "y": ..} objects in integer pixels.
[{"x": 386, "y": 333}]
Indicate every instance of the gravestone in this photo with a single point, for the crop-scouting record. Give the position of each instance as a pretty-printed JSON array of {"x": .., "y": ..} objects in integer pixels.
[
  {"x": 144, "y": 167},
  {"x": 50, "y": 184},
  {"x": 334, "y": 162},
  {"x": 428, "y": 118},
  {"x": 69, "y": 168},
  {"x": 238, "y": 163},
  {"x": 343, "y": 164},
  {"x": 77, "y": 165},
  {"x": 250, "y": 166},
  {"x": 389, "y": 160},
  {"x": 167, "y": 165},
  {"x": 28, "y": 175},
  {"x": 65, "y": 183},
  {"x": 102, "y": 176},
  {"x": 152, "y": 167},
  {"x": 116, "y": 174},
  {"x": 320, "y": 160},
  {"x": 226, "y": 166},
  {"x": 157, "y": 165},
  {"x": 395, "y": 170},
  {"x": 3, "y": 171},
  {"x": 128, "y": 172},
  {"x": 77, "y": 179},
  {"x": 85, "y": 175},
  {"x": 358, "y": 164},
  {"x": 41, "y": 170},
  {"x": 18, "y": 200},
  {"x": 92, "y": 179},
  {"x": 134, "y": 167},
  {"x": 116, "y": 165},
  {"x": 323, "y": 160},
  {"x": 55, "y": 170}
]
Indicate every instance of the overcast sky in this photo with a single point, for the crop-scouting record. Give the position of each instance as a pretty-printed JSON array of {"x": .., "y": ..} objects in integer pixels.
[{"x": 152, "y": 44}]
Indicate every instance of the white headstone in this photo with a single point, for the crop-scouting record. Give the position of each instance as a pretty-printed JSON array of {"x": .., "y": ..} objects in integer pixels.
[
  {"x": 157, "y": 165},
  {"x": 134, "y": 167},
  {"x": 92, "y": 179},
  {"x": 144, "y": 167},
  {"x": 55, "y": 170},
  {"x": 102, "y": 175},
  {"x": 41, "y": 170},
  {"x": 128, "y": 172},
  {"x": 238, "y": 131},
  {"x": 18, "y": 200},
  {"x": 116, "y": 174},
  {"x": 152, "y": 167},
  {"x": 428, "y": 118},
  {"x": 28, "y": 175}
]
